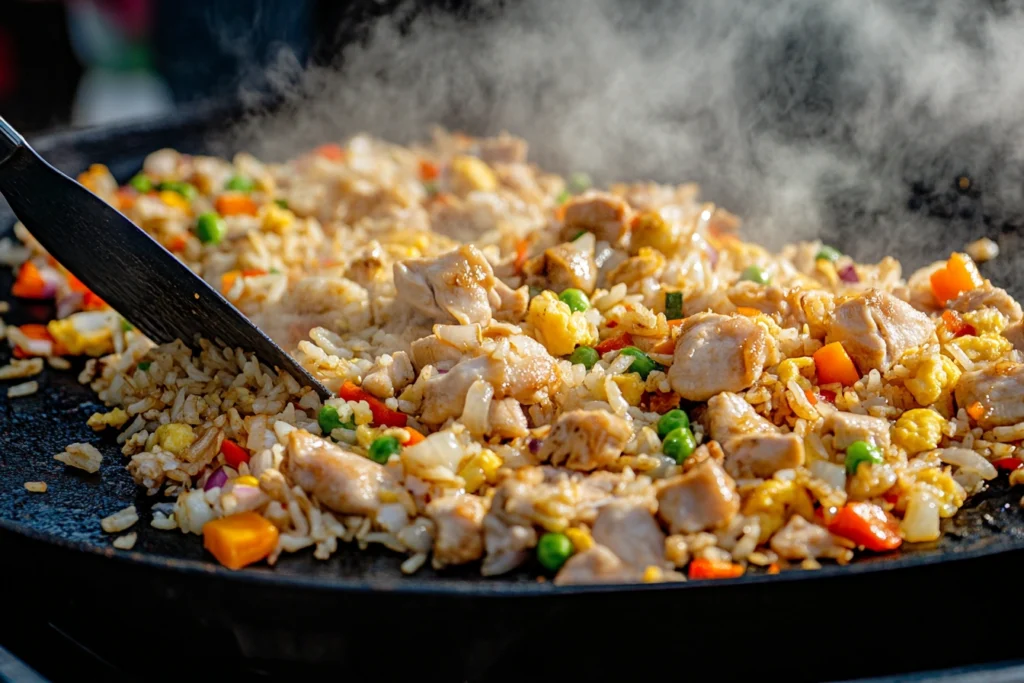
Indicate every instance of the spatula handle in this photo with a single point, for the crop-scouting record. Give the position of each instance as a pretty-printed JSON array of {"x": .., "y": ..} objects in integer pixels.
[{"x": 10, "y": 140}]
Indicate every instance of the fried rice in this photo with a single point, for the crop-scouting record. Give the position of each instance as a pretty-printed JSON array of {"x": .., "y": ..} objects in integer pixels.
[{"x": 600, "y": 385}]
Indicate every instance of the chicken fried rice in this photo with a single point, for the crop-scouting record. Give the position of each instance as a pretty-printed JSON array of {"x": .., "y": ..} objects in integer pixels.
[{"x": 597, "y": 385}]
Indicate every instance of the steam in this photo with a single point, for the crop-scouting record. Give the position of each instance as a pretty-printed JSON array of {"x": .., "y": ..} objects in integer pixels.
[{"x": 808, "y": 118}]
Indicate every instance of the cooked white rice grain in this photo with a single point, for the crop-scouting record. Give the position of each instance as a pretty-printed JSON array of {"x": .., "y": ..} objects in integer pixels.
[
  {"x": 84, "y": 456},
  {"x": 126, "y": 542},
  {"x": 35, "y": 486},
  {"x": 120, "y": 520}
]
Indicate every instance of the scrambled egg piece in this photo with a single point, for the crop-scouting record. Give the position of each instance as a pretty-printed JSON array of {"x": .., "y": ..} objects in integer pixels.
[
  {"x": 557, "y": 327},
  {"x": 944, "y": 488},
  {"x": 174, "y": 200},
  {"x": 174, "y": 437},
  {"x": 651, "y": 230},
  {"x": 773, "y": 500},
  {"x": 471, "y": 174},
  {"x": 985, "y": 320},
  {"x": 918, "y": 430},
  {"x": 115, "y": 418},
  {"x": 482, "y": 468},
  {"x": 631, "y": 386},
  {"x": 984, "y": 347},
  {"x": 87, "y": 332},
  {"x": 792, "y": 369},
  {"x": 934, "y": 377},
  {"x": 277, "y": 219},
  {"x": 581, "y": 539}
]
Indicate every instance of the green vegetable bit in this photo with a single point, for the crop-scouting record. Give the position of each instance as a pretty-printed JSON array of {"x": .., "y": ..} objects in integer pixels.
[
  {"x": 329, "y": 420},
  {"x": 679, "y": 444},
  {"x": 827, "y": 253},
  {"x": 642, "y": 363},
  {"x": 671, "y": 421},
  {"x": 755, "y": 274},
  {"x": 673, "y": 305},
  {"x": 578, "y": 235},
  {"x": 579, "y": 182},
  {"x": 430, "y": 188},
  {"x": 186, "y": 190},
  {"x": 553, "y": 550},
  {"x": 211, "y": 228},
  {"x": 586, "y": 356},
  {"x": 144, "y": 365},
  {"x": 563, "y": 197},
  {"x": 283, "y": 203},
  {"x": 575, "y": 299},
  {"x": 535, "y": 291},
  {"x": 861, "y": 451},
  {"x": 240, "y": 183},
  {"x": 141, "y": 183},
  {"x": 126, "y": 326},
  {"x": 383, "y": 448}
]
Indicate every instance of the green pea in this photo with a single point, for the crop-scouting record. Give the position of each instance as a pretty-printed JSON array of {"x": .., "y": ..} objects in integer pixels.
[
  {"x": 329, "y": 420},
  {"x": 240, "y": 183},
  {"x": 211, "y": 228},
  {"x": 553, "y": 550},
  {"x": 579, "y": 182},
  {"x": 383, "y": 448},
  {"x": 144, "y": 365},
  {"x": 575, "y": 299},
  {"x": 827, "y": 253},
  {"x": 861, "y": 451},
  {"x": 755, "y": 274},
  {"x": 642, "y": 363},
  {"x": 586, "y": 356},
  {"x": 679, "y": 444},
  {"x": 141, "y": 183},
  {"x": 671, "y": 421},
  {"x": 186, "y": 190}
]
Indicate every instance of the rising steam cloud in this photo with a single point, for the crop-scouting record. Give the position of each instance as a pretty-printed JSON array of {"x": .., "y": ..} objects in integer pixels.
[{"x": 806, "y": 117}]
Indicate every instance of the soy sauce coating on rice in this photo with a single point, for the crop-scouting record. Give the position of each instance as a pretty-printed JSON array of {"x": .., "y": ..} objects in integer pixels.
[{"x": 832, "y": 408}]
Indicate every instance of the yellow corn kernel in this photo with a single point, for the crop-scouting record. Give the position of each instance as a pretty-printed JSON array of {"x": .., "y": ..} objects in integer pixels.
[
  {"x": 115, "y": 418},
  {"x": 581, "y": 539},
  {"x": 557, "y": 327},
  {"x": 984, "y": 348},
  {"x": 792, "y": 369},
  {"x": 247, "y": 480},
  {"x": 944, "y": 488},
  {"x": 652, "y": 574},
  {"x": 482, "y": 468},
  {"x": 277, "y": 219},
  {"x": 934, "y": 377},
  {"x": 918, "y": 430},
  {"x": 365, "y": 434},
  {"x": 986, "y": 320},
  {"x": 631, "y": 386},
  {"x": 174, "y": 437},
  {"x": 174, "y": 200},
  {"x": 471, "y": 174}
]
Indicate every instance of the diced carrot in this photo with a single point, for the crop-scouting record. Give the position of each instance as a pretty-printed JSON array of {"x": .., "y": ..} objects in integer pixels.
[
  {"x": 522, "y": 251},
  {"x": 429, "y": 170},
  {"x": 703, "y": 568},
  {"x": 92, "y": 302},
  {"x": 866, "y": 524},
  {"x": 331, "y": 151},
  {"x": 614, "y": 343},
  {"x": 241, "y": 539},
  {"x": 560, "y": 211},
  {"x": 957, "y": 276},
  {"x": 747, "y": 311},
  {"x": 834, "y": 365},
  {"x": 663, "y": 401},
  {"x": 955, "y": 324},
  {"x": 234, "y": 454},
  {"x": 676, "y": 323},
  {"x": 976, "y": 411},
  {"x": 227, "y": 280},
  {"x": 666, "y": 346},
  {"x": 124, "y": 199},
  {"x": 30, "y": 283},
  {"x": 811, "y": 398},
  {"x": 235, "y": 204},
  {"x": 177, "y": 243},
  {"x": 828, "y": 395},
  {"x": 253, "y": 272},
  {"x": 382, "y": 415},
  {"x": 1008, "y": 464},
  {"x": 414, "y": 437},
  {"x": 773, "y": 568}
]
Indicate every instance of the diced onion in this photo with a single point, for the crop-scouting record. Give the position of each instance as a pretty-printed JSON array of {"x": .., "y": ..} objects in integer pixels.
[
  {"x": 921, "y": 521},
  {"x": 585, "y": 243},
  {"x": 462, "y": 337},
  {"x": 968, "y": 460},
  {"x": 829, "y": 472},
  {"x": 436, "y": 458},
  {"x": 478, "y": 407}
]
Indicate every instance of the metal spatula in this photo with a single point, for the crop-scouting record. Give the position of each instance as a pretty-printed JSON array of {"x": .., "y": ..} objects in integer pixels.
[{"x": 122, "y": 264}]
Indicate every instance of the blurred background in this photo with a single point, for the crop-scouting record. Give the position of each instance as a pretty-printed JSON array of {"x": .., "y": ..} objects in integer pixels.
[{"x": 89, "y": 62}]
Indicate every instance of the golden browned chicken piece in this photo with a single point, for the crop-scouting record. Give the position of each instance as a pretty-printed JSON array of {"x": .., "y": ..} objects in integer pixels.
[
  {"x": 876, "y": 329},
  {"x": 717, "y": 353}
]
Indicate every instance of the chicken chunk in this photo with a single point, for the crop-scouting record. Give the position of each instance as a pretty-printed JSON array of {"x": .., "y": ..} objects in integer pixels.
[
  {"x": 717, "y": 353},
  {"x": 459, "y": 538},
  {"x": 762, "y": 455},
  {"x": 507, "y": 545},
  {"x": 729, "y": 416},
  {"x": 703, "y": 498},
  {"x": 596, "y": 565},
  {"x": 445, "y": 347},
  {"x": 561, "y": 267},
  {"x": 876, "y": 329},
  {"x": 632, "y": 533},
  {"x": 585, "y": 440},
  {"x": 459, "y": 286},
  {"x": 999, "y": 388},
  {"x": 987, "y": 296},
  {"x": 345, "y": 482},
  {"x": 792, "y": 307},
  {"x": 850, "y": 427},
  {"x": 520, "y": 368},
  {"x": 800, "y": 539},
  {"x": 390, "y": 374},
  {"x": 507, "y": 419},
  {"x": 1015, "y": 335},
  {"x": 603, "y": 214}
]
